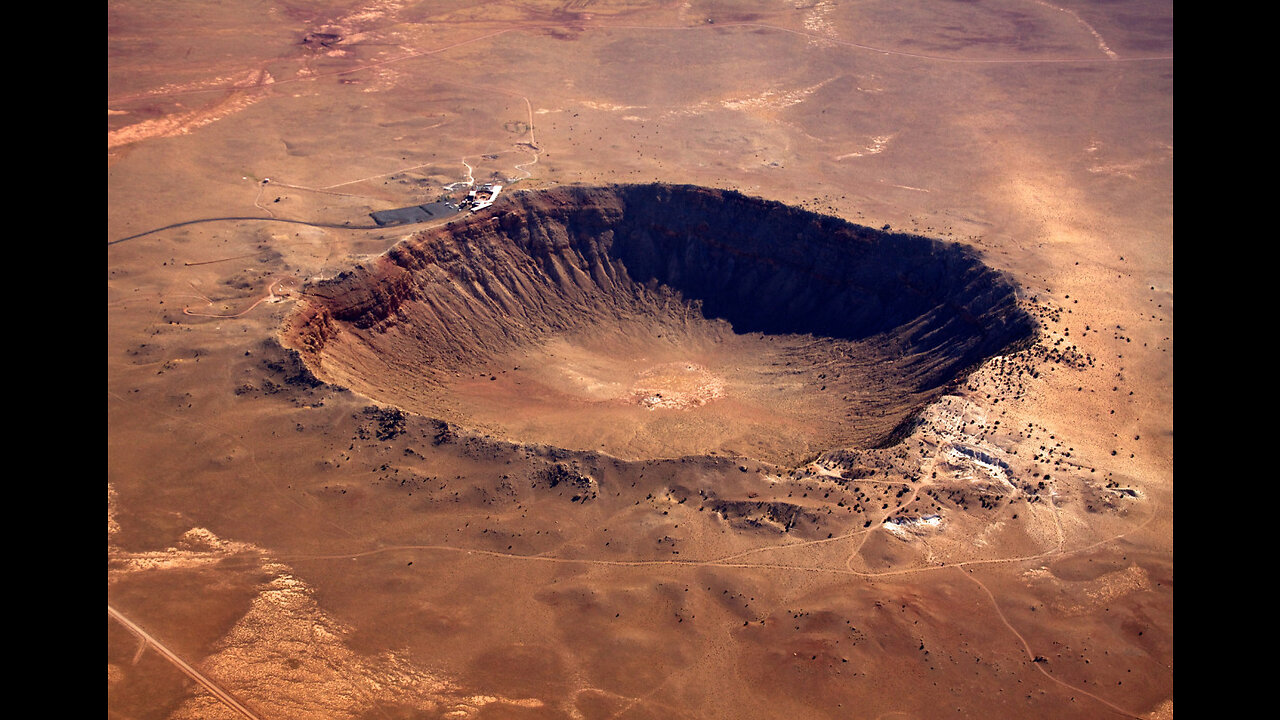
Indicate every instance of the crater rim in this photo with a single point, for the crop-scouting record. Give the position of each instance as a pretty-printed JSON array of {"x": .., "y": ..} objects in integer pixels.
[{"x": 601, "y": 239}]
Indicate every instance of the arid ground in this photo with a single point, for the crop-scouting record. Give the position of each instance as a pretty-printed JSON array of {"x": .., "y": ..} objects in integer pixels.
[{"x": 617, "y": 447}]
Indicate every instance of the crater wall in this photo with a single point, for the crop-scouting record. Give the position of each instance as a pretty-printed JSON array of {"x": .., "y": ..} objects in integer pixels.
[{"x": 658, "y": 320}]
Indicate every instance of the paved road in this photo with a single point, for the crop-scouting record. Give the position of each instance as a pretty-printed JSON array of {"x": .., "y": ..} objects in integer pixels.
[
  {"x": 255, "y": 217},
  {"x": 222, "y": 695}
]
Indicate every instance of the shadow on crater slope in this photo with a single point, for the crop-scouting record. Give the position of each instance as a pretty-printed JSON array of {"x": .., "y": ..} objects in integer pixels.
[{"x": 660, "y": 321}]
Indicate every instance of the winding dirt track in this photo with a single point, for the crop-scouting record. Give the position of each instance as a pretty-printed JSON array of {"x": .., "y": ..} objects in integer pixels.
[{"x": 1027, "y": 647}]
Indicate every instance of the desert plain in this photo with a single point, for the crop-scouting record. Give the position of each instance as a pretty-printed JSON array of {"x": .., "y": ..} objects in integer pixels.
[{"x": 815, "y": 361}]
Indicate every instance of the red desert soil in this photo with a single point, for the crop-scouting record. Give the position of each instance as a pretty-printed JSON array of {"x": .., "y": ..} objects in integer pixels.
[{"x": 815, "y": 360}]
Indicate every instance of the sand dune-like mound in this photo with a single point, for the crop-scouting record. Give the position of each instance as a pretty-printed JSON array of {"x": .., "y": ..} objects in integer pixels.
[{"x": 660, "y": 321}]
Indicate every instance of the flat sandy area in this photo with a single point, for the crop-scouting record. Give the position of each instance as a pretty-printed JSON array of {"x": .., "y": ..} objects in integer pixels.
[{"x": 282, "y": 547}]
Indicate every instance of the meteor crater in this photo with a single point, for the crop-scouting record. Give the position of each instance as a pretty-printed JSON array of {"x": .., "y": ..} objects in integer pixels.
[{"x": 654, "y": 321}]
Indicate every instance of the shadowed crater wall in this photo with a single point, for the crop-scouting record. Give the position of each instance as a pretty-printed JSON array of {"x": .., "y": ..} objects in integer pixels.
[{"x": 660, "y": 321}]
